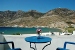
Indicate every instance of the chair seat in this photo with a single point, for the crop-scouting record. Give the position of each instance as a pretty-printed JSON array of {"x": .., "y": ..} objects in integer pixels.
[
  {"x": 61, "y": 49},
  {"x": 15, "y": 49}
]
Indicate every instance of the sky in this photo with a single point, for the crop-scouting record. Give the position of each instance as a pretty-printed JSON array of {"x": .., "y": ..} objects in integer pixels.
[{"x": 39, "y": 5}]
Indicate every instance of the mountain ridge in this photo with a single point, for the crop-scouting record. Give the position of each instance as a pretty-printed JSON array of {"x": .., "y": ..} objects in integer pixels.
[{"x": 52, "y": 18}]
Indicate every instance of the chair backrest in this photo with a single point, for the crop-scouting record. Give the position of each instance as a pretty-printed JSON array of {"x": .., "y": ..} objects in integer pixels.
[
  {"x": 65, "y": 44},
  {"x": 8, "y": 42},
  {"x": 13, "y": 48}
]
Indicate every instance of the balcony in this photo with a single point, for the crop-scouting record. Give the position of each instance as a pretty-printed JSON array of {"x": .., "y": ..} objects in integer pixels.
[{"x": 19, "y": 42}]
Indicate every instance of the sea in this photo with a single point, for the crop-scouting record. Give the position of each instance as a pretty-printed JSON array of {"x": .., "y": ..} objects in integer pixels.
[{"x": 22, "y": 30}]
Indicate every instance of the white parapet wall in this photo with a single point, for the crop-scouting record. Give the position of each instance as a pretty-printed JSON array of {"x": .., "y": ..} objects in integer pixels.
[
  {"x": 1, "y": 40},
  {"x": 73, "y": 33},
  {"x": 57, "y": 41}
]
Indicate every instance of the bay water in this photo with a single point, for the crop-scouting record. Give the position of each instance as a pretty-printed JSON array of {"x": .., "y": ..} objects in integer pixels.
[{"x": 21, "y": 30}]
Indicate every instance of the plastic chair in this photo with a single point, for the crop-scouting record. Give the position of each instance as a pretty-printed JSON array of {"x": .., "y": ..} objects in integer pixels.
[
  {"x": 65, "y": 44},
  {"x": 13, "y": 48}
]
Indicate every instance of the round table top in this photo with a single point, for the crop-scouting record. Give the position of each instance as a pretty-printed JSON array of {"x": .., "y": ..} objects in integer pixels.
[{"x": 35, "y": 39}]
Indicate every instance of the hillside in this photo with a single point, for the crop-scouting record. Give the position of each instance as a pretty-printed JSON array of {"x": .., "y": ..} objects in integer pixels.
[
  {"x": 58, "y": 17},
  {"x": 8, "y": 17}
]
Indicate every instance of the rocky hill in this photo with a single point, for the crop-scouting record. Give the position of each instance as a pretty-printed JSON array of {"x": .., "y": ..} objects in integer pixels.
[
  {"x": 58, "y": 17},
  {"x": 8, "y": 17},
  {"x": 63, "y": 14}
]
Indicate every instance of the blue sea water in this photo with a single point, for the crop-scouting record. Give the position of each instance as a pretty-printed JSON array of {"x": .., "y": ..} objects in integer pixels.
[{"x": 13, "y": 30}]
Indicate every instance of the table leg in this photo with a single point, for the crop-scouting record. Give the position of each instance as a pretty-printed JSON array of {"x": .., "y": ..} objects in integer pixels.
[
  {"x": 46, "y": 45},
  {"x": 33, "y": 47},
  {"x": 36, "y": 48}
]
